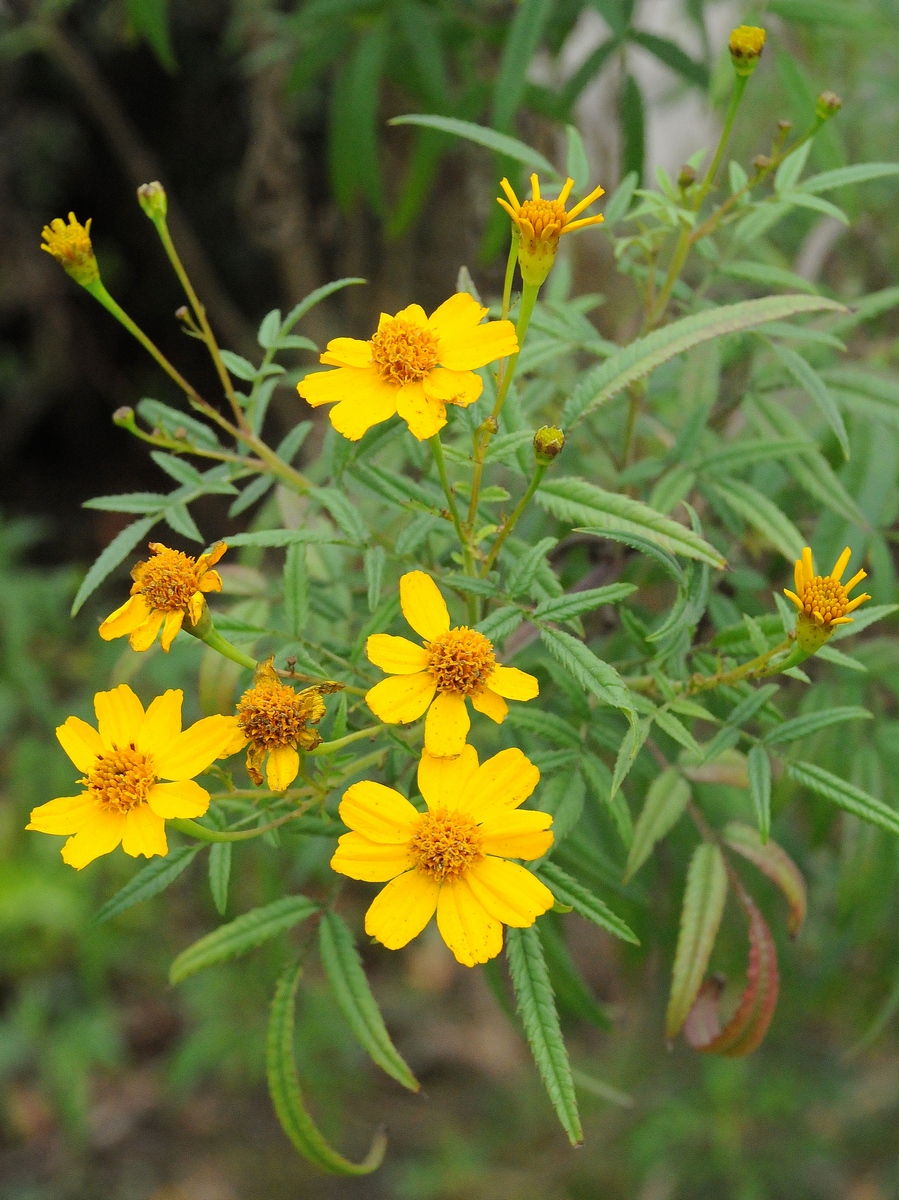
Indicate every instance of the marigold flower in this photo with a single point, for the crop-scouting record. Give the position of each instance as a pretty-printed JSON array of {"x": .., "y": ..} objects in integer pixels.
[
  {"x": 414, "y": 366},
  {"x": 274, "y": 721},
  {"x": 453, "y": 859},
  {"x": 138, "y": 771},
  {"x": 822, "y": 600},
  {"x": 167, "y": 588},
  {"x": 71, "y": 246},
  {"x": 541, "y": 223},
  {"x": 453, "y": 664},
  {"x": 746, "y": 43}
]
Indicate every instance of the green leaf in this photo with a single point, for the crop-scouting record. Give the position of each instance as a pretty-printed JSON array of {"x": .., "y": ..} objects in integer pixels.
[
  {"x": 107, "y": 561},
  {"x": 500, "y": 623},
  {"x": 154, "y": 878},
  {"x": 150, "y": 19},
  {"x": 592, "y": 673},
  {"x": 374, "y": 560},
  {"x": 220, "y": 874},
  {"x": 642, "y": 356},
  {"x": 767, "y": 276},
  {"x": 599, "y": 778},
  {"x": 666, "y": 800},
  {"x": 809, "y": 723},
  {"x": 672, "y": 56},
  {"x": 668, "y": 722},
  {"x": 762, "y": 514},
  {"x": 178, "y": 468},
  {"x": 267, "y": 337},
  {"x": 316, "y": 297},
  {"x": 563, "y": 608},
  {"x": 844, "y": 795},
  {"x": 129, "y": 502},
  {"x": 577, "y": 165},
  {"x": 178, "y": 518},
  {"x": 345, "y": 972},
  {"x": 284, "y": 1086},
  {"x": 773, "y": 861},
  {"x": 353, "y": 133},
  {"x": 809, "y": 379},
  {"x": 633, "y": 128},
  {"x": 275, "y": 538},
  {"x": 740, "y": 715},
  {"x": 296, "y": 589},
  {"x": 826, "y": 181},
  {"x": 585, "y": 904},
  {"x": 240, "y": 935},
  {"x": 525, "y": 570},
  {"x": 501, "y": 143},
  {"x": 239, "y": 366},
  {"x": 700, "y": 919},
  {"x": 344, "y": 512},
  {"x": 759, "y": 766},
  {"x": 252, "y": 492},
  {"x": 537, "y": 1009},
  {"x": 791, "y": 168},
  {"x": 176, "y": 424},
  {"x": 522, "y": 41},
  {"x": 816, "y": 204},
  {"x": 590, "y": 509},
  {"x": 562, "y": 796},
  {"x": 863, "y": 617},
  {"x": 747, "y": 452},
  {"x": 630, "y": 747},
  {"x": 620, "y": 201}
]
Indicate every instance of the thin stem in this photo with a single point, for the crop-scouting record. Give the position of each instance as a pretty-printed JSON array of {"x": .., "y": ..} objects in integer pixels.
[
  {"x": 203, "y": 834},
  {"x": 636, "y": 392},
  {"x": 214, "y": 640},
  {"x": 755, "y": 668},
  {"x": 510, "y": 272},
  {"x": 340, "y": 743},
  {"x": 539, "y": 471},
  {"x": 440, "y": 463},
  {"x": 730, "y": 116}
]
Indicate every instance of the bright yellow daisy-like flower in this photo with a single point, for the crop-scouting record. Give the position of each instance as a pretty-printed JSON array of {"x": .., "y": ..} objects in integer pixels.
[
  {"x": 71, "y": 246},
  {"x": 542, "y": 222},
  {"x": 273, "y": 720},
  {"x": 414, "y": 366},
  {"x": 452, "y": 859},
  {"x": 167, "y": 588},
  {"x": 139, "y": 770},
  {"x": 453, "y": 664},
  {"x": 822, "y": 600}
]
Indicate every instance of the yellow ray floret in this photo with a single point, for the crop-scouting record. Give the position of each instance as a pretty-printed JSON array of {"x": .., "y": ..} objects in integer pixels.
[
  {"x": 452, "y": 665},
  {"x": 452, "y": 860},
  {"x": 542, "y": 222},
  {"x": 413, "y": 366},
  {"x": 71, "y": 246},
  {"x": 167, "y": 588},
  {"x": 138, "y": 771},
  {"x": 824, "y": 599}
]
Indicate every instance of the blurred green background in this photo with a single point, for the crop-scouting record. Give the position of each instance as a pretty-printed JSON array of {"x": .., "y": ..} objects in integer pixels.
[{"x": 268, "y": 125}]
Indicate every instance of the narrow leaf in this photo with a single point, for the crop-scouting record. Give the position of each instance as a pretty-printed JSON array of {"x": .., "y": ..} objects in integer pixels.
[
  {"x": 241, "y": 935},
  {"x": 666, "y": 800},
  {"x": 773, "y": 861},
  {"x": 585, "y": 904},
  {"x": 563, "y": 608},
  {"x": 811, "y": 382},
  {"x": 845, "y": 795},
  {"x": 344, "y": 512},
  {"x": 592, "y": 673},
  {"x": 220, "y": 874},
  {"x": 809, "y": 723},
  {"x": 759, "y": 766},
  {"x": 703, "y": 907},
  {"x": 154, "y": 878},
  {"x": 501, "y": 143},
  {"x": 107, "y": 561},
  {"x": 762, "y": 514}
]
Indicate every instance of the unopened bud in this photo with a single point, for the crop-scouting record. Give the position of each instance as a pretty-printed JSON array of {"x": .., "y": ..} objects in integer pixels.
[
  {"x": 761, "y": 162},
  {"x": 548, "y": 443},
  {"x": 490, "y": 425},
  {"x": 687, "y": 176},
  {"x": 124, "y": 417},
  {"x": 784, "y": 126},
  {"x": 810, "y": 636},
  {"x": 827, "y": 104},
  {"x": 153, "y": 200},
  {"x": 745, "y": 44}
]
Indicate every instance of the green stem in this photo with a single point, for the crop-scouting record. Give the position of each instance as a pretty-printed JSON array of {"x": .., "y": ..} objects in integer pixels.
[
  {"x": 340, "y": 743},
  {"x": 756, "y": 668},
  {"x": 464, "y": 540},
  {"x": 730, "y": 116},
  {"x": 510, "y": 272},
  {"x": 214, "y": 640},
  {"x": 203, "y": 834},
  {"x": 539, "y": 471},
  {"x": 636, "y": 392}
]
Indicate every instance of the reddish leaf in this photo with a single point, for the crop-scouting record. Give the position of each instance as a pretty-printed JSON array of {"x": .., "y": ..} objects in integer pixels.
[{"x": 772, "y": 860}]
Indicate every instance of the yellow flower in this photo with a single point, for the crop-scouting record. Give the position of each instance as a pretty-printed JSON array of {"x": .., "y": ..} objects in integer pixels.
[
  {"x": 71, "y": 246},
  {"x": 746, "y": 43},
  {"x": 452, "y": 664},
  {"x": 274, "y": 719},
  {"x": 414, "y": 366},
  {"x": 541, "y": 223},
  {"x": 166, "y": 589},
  {"x": 125, "y": 762},
  {"x": 453, "y": 859},
  {"x": 822, "y": 600}
]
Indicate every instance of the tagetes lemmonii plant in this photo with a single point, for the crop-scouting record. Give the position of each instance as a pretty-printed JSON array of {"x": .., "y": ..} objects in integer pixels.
[
  {"x": 139, "y": 769},
  {"x": 452, "y": 859},
  {"x": 823, "y": 600},
  {"x": 454, "y": 665}
]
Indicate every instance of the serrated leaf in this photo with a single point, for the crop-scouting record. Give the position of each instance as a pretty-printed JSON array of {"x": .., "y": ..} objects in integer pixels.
[
  {"x": 500, "y": 143},
  {"x": 599, "y": 778},
  {"x": 759, "y": 767},
  {"x": 178, "y": 518},
  {"x": 645, "y": 354},
  {"x": 592, "y": 673},
  {"x": 129, "y": 502},
  {"x": 563, "y": 608},
  {"x": 278, "y": 538},
  {"x": 152, "y": 879},
  {"x": 666, "y": 800},
  {"x": 345, "y": 972},
  {"x": 762, "y": 514},
  {"x": 563, "y": 797},
  {"x": 627, "y": 752},
  {"x": 524, "y": 572},
  {"x": 537, "y": 1009},
  {"x": 252, "y": 492},
  {"x": 772, "y": 860},
  {"x": 668, "y": 722},
  {"x": 107, "y": 561},
  {"x": 177, "y": 468},
  {"x": 743, "y": 712},
  {"x": 826, "y": 181},
  {"x": 700, "y": 919},
  {"x": 863, "y": 617},
  {"x": 176, "y": 424},
  {"x": 845, "y": 795},
  {"x": 809, "y": 723},
  {"x": 500, "y": 623},
  {"x": 344, "y": 512},
  {"x": 766, "y": 276},
  {"x": 374, "y": 560},
  {"x": 589, "y": 509},
  {"x": 571, "y": 891},
  {"x": 811, "y": 382},
  {"x": 220, "y": 874},
  {"x": 242, "y": 934},
  {"x": 287, "y": 1098},
  {"x": 296, "y": 589}
]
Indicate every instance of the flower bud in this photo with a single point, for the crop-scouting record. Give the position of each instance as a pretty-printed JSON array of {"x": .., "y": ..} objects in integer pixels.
[
  {"x": 761, "y": 162},
  {"x": 124, "y": 417},
  {"x": 153, "y": 200},
  {"x": 810, "y": 636},
  {"x": 71, "y": 246},
  {"x": 745, "y": 44},
  {"x": 548, "y": 443},
  {"x": 687, "y": 176},
  {"x": 827, "y": 104}
]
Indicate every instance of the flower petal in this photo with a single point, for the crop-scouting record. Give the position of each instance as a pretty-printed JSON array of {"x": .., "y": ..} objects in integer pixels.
[
  {"x": 100, "y": 834},
  {"x": 487, "y": 702},
  {"x": 209, "y": 581},
  {"x": 195, "y": 749},
  {"x": 401, "y": 910},
  {"x": 413, "y": 313},
  {"x": 423, "y": 415},
  {"x": 401, "y": 699},
  {"x": 508, "y": 892},
  {"x": 347, "y": 352},
  {"x": 504, "y": 781},
  {"x": 453, "y": 387},
  {"x": 144, "y": 833},
  {"x": 353, "y": 418},
  {"x": 327, "y": 387},
  {"x": 126, "y": 618},
  {"x": 443, "y": 780},
  {"x": 66, "y": 814},
  {"x": 516, "y": 833},
  {"x": 479, "y": 346},
  {"x": 80, "y": 741},
  {"x": 457, "y": 316},
  {"x": 282, "y": 768},
  {"x": 144, "y": 636},
  {"x": 378, "y": 812},
  {"x": 423, "y": 606},
  {"x": 119, "y": 716},
  {"x": 473, "y": 935},
  {"x": 397, "y": 655},
  {"x": 173, "y": 623},
  {"x": 375, "y": 862},
  {"x": 182, "y": 799},
  {"x": 513, "y": 684},
  {"x": 162, "y": 722},
  {"x": 447, "y": 725}
]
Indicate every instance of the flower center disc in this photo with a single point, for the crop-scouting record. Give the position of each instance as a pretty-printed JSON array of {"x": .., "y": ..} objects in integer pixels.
[
  {"x": 445, "y": 844},
  {"x": 461, "y": 660},
  {"x": 273, "y": 715},
  {"x": 547, "y": 217},
  {"x": 168, "y": 580},
  {"x": 403, "y": 352},
  {"x": 120, "y": 780},
  {"x": 824, "y": 599}
]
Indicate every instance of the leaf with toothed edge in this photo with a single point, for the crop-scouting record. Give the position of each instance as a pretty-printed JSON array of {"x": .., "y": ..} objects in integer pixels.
[
  {"x": 703, "y": 907},
  {"x": 772, "y": 860}
]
